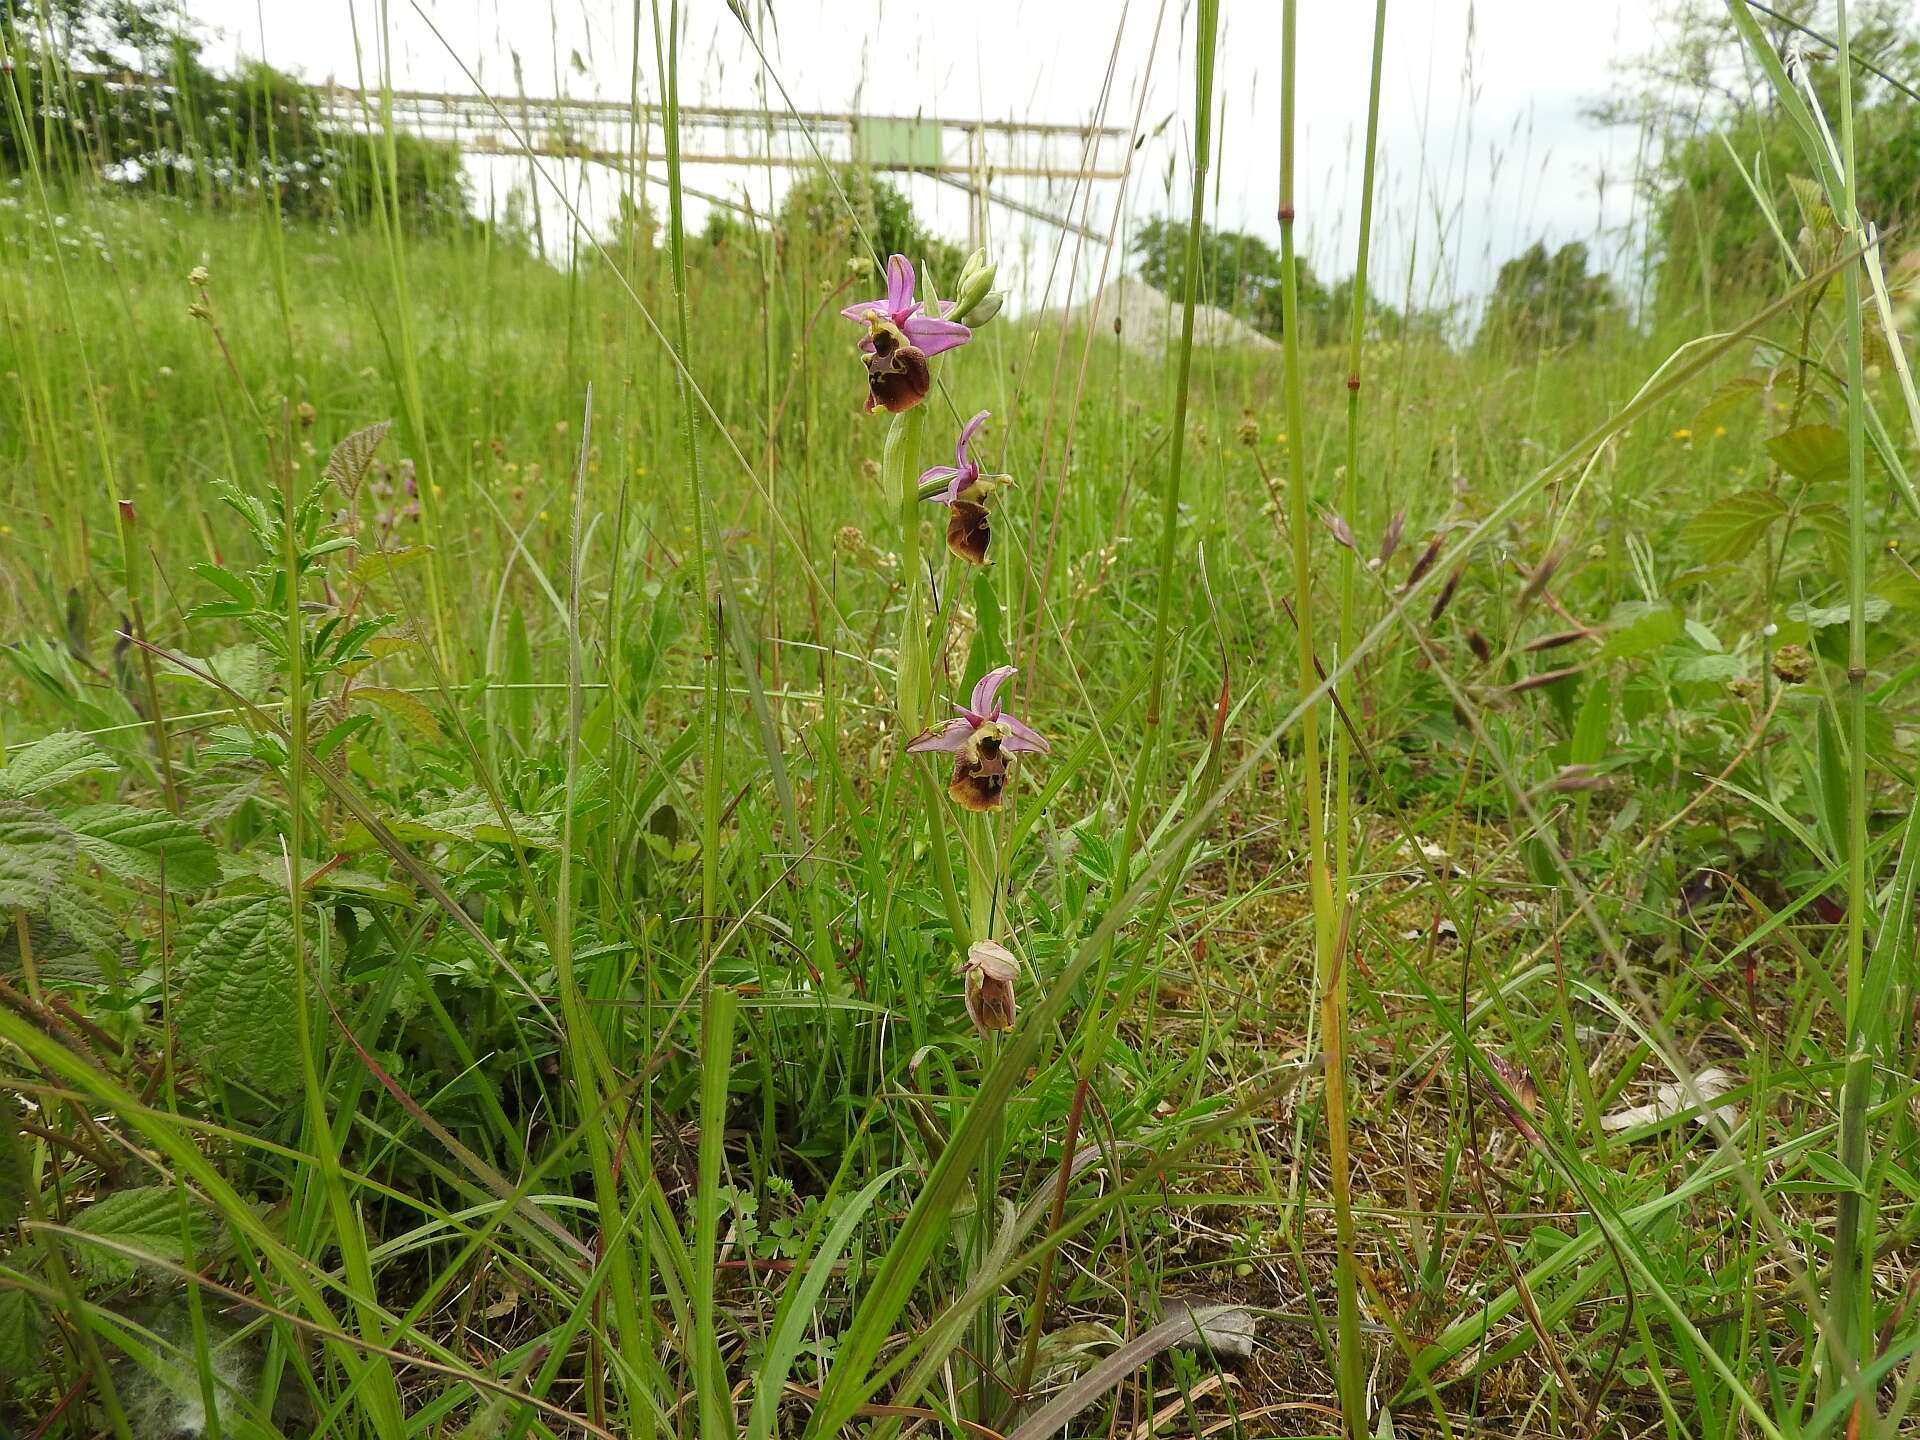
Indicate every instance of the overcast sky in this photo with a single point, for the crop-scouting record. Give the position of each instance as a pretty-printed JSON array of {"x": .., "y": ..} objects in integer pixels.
[{"x": 1484, "y": 144}]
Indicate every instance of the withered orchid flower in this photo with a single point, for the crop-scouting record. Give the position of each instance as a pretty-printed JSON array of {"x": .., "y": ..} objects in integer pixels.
[{"x": 990, "y": 970}]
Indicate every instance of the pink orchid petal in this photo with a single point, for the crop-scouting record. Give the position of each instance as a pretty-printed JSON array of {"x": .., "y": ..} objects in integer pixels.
[
  {"x": 988, "y": 687},
  {"x": 899, "y": 284},
  {"x": 950, "y": 736},
  {"x": 865, "y": 308},
  {"x": 934, "y": 336},
  {"x": 967, "y": 432},
  {"x": 1022, "y": 736}
]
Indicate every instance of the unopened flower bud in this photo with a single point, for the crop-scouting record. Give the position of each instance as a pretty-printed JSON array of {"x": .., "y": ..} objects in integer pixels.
[
  {"x": 197, "y": 276},
  {"x": 974, "y": 293},
  {"x": 986, "y": 309}
]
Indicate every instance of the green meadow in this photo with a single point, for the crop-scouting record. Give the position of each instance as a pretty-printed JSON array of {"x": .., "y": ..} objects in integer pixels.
[{"x": 524, "y": 911}]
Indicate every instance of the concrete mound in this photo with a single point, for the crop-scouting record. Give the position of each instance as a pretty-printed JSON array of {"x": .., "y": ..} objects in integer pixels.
[{"x": 1149, "y": 322}]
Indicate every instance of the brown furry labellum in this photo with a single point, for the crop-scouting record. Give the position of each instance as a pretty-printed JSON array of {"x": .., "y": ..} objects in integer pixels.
[
  {"x": 898, "y": 377},
  {"x": 969, "y": 531},
  {"x": 980, "y": 772}
]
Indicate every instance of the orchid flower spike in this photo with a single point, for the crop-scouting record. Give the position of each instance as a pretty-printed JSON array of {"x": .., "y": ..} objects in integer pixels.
[
  {"x": 990, "y": 970},
  {"x": 980, "y": 738},
  {"x": 966, "y": 493},
  {"x": 900, "y": 340}
]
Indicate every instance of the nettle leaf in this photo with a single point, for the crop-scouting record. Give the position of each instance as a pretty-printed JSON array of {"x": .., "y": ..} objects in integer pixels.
[
  {"x": 36, "y": 857},
  {"x": 1637, "y": 627},
  {"x": 1811, "y": 452},
  {"x": 23, "y": 1331},
  {"x": 147, "y": 1217},
  {"x": 52, "y": 761},
  {"x": 477, "y": 821},
  {"x": 140, "y": 845},
  {"x": 238, "y": 990},
  {"x": 1731, "y": 527}
]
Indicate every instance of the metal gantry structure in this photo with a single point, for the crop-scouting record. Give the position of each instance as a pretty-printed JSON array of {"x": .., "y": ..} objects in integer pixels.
[{"x": 972, "y": 155}]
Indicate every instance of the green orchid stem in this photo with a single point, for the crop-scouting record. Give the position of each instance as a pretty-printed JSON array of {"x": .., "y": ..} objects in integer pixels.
[
  {"x": 913, "y": 683},
  {"x": 1850, "y": 1298},
  {"x": 1349, "y": 1361},
  {"x": 1094, "y": 1026}
]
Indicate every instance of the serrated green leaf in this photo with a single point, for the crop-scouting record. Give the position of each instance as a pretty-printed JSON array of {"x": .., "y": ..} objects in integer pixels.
[
  {"x": 1829, "y": 520},
  {"x": 246, "y": 668},
  {"x": 1812, "y": 453},
  {"x": 23, "y": 1332},
  {"x": 348, "y": 463},
  {"x": 379, "y": 564},
  {"x": 238, "y": 990},
  {"x": 408, "y": 707},
  {"x": 36, "y": 856},
  {"x": 138, "y": 845},
  {"x": 1636, "y": 627},
  {"x": 1727, "y": 401},
  {"x": 63, "y": 961},
  {"x": 476, "y": 821},
  {"x": 147, "y": 1217},
  {"x": 1731, "y": 527},
  {"x": 76, "y": 913},
  {"x": 52, "y": 761}
]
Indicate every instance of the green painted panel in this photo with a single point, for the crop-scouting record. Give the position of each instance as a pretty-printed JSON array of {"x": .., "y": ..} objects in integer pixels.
[{"x": 888, "y": 143}]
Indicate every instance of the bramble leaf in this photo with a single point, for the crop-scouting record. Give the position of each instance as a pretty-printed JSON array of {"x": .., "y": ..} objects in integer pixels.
[
  {"x": 23, "y": 1330},
  {"x": 238, "y": 990},
  {"x": 142, "y": 845},
  {"x": 1732, "y": 526},
  {"x": 147, "y": 1217},
  {"x": 52, "y": 761},
  {"x": 1811, "y": 452}
]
